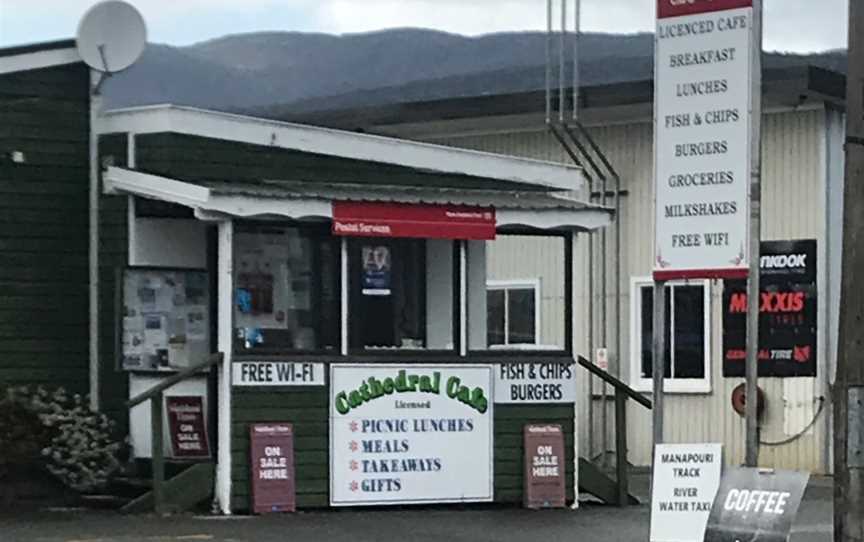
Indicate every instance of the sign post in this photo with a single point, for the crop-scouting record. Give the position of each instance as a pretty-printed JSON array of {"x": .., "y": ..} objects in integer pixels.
[{"x": 707, "y": 158}]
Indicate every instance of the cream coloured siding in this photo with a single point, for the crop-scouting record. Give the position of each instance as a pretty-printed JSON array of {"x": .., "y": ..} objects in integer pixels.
[{"x": 794, "y": 150}]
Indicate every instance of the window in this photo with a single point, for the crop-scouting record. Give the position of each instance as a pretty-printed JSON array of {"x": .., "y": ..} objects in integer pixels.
[
  {"x": 286, "y": 289},
  {"x": 401, "y": 294},
  {"x": 512, "y": 315},
  {"x": 688, "y": 342}
]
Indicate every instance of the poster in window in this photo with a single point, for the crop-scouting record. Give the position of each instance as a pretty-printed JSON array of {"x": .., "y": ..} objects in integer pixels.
[
  {"x": 787, "y": 313},
  {"x": 262, "y": 282},
  {"x": 376, "y": 270},
  {"x": 165, "y": 319}
]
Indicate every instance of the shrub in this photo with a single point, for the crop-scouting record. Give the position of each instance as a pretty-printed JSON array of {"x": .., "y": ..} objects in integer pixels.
[{"x": 70, "y": 441}]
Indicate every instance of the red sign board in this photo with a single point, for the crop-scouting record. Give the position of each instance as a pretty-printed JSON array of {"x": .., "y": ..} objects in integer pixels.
[
  {"x": 677, "y": 8},
  {"x": 272, "y": 454},
  {"x": 544, "y": 466},
  {"x": 188, "y": 430},
  {"x": 369, "y": 219}
]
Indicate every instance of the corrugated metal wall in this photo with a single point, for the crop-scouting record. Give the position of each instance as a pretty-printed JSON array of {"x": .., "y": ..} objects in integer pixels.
[{"x": 794, "y": 147}]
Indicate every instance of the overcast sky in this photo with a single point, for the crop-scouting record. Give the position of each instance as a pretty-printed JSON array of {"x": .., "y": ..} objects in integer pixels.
[{"x": 790, "y": 25}]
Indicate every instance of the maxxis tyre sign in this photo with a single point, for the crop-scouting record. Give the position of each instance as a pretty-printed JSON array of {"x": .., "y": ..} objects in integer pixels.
[
  {"x": 703, "y": 99},
  {"x": 410, "y": 434}
]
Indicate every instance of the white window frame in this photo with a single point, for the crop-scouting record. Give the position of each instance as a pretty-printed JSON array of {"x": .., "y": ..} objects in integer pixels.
[
  {"x": 670, "y": 385},
  {"x": 517, "y": 284}
]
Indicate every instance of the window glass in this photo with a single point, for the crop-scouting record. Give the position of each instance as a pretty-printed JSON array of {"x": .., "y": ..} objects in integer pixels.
[
  {"x": 689, "y": 332},
  {"x": 648, "y": 333},
  {"x": 521, "y": 311},
  {"x": 495, "y": 316},
  {"x": 530, "y": 271},
  {"x": 685, "y": 314},
  {"x": 401, "y": 294},
  {"x": 286, "y": 289}
]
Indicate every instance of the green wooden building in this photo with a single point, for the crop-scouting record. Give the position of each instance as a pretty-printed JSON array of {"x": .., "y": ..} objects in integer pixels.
[{"x": 342, "y": 276}]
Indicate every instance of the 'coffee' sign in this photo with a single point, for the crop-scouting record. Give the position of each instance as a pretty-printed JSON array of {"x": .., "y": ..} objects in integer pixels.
[
  {"x": 544, "y": 466},
  {"x": 755, "y": 505},
  {"x": 272, "y": 454}
]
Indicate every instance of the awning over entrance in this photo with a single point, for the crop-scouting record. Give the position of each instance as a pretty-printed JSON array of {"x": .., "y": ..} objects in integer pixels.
[
  {"x": 405, "y": 209},
  {"x": 262, "y": 168}
]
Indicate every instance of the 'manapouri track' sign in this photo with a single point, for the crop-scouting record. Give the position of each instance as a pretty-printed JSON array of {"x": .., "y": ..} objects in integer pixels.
[
  {"x": 703, "y": 89},
  {"x": 410, "y": 434}
]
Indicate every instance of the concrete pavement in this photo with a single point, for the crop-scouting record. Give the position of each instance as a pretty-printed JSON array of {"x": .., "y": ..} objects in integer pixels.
[{"x": 591, "y": 523}]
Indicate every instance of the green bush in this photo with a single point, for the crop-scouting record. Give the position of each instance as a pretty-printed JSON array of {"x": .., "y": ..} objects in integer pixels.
[{"x": 58, "y": 432}]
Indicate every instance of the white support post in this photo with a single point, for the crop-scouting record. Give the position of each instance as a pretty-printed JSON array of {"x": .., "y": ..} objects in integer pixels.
[
  {"x": 463, "y": 298},
  {"x": 574, "y": 240},
  {"x": 225, "y": 280},
  {"x": 343, "y": 328}
]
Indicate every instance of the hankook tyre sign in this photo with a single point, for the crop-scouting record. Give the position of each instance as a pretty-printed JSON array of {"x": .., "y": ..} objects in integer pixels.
[
  {"x": 703, "y": 88},
  {"x": 788, "y": 304}
]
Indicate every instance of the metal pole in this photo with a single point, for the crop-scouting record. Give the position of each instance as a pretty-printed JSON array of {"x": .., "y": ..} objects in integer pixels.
[
  {"x": 849, "y": 387},
  {"x": 590, "y": 297},
  {"x": 751, "y": 368},
  {"x": 658, "y": 359},
  {"x": 562, "y": 57},
  {"x": 93, "y": 245},
  {"x": 577, "y": 23},
  {"x": 548, "y": 62},
  {"x": 604, "y": 265}
]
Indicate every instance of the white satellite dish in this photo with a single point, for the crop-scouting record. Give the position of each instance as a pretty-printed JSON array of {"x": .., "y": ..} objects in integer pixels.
[{"x": 111, "y": 36}]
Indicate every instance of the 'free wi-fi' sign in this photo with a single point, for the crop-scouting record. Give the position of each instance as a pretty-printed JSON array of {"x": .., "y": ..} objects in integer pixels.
[{"x": 755, "y": 505}]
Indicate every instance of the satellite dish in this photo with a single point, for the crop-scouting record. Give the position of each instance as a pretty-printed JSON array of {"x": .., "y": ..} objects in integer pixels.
[{"x": 111, "y": 36}]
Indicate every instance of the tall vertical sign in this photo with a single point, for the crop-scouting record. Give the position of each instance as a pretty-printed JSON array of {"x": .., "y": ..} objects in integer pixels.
[{"x": 702, "y": 114}]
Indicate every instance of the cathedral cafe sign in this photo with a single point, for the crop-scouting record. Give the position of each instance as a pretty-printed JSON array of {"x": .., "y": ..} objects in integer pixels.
[{"x": 410, "y": 434}]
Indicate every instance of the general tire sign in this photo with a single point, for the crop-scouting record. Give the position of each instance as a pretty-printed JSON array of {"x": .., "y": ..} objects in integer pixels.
[
  {"x": 703, "y": 89},
  {"x": 787, "y": 313},
  {"x": 410, "y": 434}
]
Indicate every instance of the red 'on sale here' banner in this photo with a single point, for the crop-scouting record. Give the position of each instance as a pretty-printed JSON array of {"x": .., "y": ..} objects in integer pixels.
[{"x": 677, "y": 8}]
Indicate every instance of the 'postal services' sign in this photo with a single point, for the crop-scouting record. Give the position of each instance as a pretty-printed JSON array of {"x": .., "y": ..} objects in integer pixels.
[{"x": 703, "y": 88}]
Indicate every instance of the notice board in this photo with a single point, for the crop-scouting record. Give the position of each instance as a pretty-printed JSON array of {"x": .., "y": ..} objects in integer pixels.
[{"x": 165, "y": 319}]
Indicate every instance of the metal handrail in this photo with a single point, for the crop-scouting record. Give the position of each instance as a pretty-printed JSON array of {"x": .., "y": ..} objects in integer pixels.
[
  {"x": 189, "y": 372},
  {"x": 622, "y": 393},
  {"x": 615, "y": 383}
]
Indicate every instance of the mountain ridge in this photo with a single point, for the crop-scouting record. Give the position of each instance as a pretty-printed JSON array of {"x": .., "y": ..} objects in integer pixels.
[{"x": 308, "y": 71}]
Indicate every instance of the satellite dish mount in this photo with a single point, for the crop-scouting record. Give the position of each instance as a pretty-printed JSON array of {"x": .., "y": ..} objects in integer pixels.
[{"x": 111, "y": 37}]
